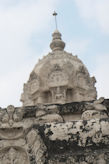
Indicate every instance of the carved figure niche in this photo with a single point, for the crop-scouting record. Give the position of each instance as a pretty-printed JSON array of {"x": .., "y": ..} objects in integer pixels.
[
  {"x": 13, "y": 155},
  {"x": 47, "y": 97},
  {"x": 58, "y": 94},
  {"x": 57, "y": 82},
  {"x": 82, "y": 77},
  {"x": 57, "y": 78},
  {"x": 34, "y": 84},
  {"x": 69, "y": 94}
]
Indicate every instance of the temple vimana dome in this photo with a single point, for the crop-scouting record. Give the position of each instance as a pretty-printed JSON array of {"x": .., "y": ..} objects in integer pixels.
[
  {"x": 61, "y": 121},
  {"x": 59, "y": 77}
]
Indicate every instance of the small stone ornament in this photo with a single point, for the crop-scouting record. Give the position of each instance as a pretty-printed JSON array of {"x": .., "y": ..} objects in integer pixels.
[
  {"x": 95, "y": 110},
  {"x": 11, "y": 115}
]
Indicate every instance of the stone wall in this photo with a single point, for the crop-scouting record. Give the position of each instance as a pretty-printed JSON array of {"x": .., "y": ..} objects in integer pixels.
[
  {"x": 77, "y": 141},
  {"x": 41, "y": 135}
]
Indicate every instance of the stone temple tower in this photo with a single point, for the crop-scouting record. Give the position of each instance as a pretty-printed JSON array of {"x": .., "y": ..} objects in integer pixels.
[
  {"x": 61, "y": 121},
  {"x": 59, "y": 77}
]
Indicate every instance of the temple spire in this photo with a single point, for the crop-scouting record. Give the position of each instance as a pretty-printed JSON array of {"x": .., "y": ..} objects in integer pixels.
[
  {"x": 57, "y": 44},
  {"x": 55, "y": 14}
]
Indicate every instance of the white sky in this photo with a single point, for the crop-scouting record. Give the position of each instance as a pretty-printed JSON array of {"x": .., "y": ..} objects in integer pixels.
[{"x": 25, "y": 34}]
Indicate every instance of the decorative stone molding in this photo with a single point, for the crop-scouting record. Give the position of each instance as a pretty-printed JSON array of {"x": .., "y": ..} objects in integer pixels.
[
  {"x": 13, "y": 155},
  {"x": 95, "y": 110},
  {"x": 59, "y": 77},
  {"x": 41, "y": 135},
  {"x": 93, "y": 114},
  {"x": 11, "y": 115},
  {"x": 27, "y": 149},
  {"x": 57, "y": 44}
]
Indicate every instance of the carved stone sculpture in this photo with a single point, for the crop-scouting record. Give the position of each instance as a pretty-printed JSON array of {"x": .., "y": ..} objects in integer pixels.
[
  {"x": 13, "y": 156},
  {"x": 59, "y": 77},
  {"x": 11, "y": 115},
  {"x": 95, "y": 110}
]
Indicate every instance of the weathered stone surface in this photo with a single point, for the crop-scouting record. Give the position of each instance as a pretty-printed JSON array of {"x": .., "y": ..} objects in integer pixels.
[
  {"x": 95, "y": 109},
  {"x": 61, "y": 122},
  {"x": 93, "y": 114},
  {"x": 40, "y": 134},
  {"x": 59, "y": 77},
  {"x": 21, "y": 146},
  {"x": 77, "y": 141}
]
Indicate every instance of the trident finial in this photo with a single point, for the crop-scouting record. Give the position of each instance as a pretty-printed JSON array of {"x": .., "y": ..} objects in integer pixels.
[{"x": 55, "y": 14}]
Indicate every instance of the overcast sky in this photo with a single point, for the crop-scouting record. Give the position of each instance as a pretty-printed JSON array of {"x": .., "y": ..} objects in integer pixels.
[{"x": 25, "y": 34}]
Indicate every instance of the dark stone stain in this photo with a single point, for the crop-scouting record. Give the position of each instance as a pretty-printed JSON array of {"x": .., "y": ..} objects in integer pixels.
[
  {"x": 30, "y": 111},
  {"x": 68, "y": 108},
  {"x": 84, "y": 122}
]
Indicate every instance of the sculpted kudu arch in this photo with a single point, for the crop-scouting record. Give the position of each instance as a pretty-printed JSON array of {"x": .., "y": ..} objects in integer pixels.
[
  {"x": 13, "y": 155},
  {"x": 28, "y": 149}
]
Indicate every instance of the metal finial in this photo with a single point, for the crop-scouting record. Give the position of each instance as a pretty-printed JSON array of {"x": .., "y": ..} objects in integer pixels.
[{"x": 55, "y": 14}]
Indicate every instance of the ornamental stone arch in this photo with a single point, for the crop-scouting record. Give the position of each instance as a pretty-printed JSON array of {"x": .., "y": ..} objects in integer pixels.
[
  {"x": 57, "y": 77},
  {"x": 28, "y": 149},
  {"x": 13, "y": 155}
]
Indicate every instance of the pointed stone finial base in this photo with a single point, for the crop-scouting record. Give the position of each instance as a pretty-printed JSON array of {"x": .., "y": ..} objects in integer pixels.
[{"x": 57, "y": 43}]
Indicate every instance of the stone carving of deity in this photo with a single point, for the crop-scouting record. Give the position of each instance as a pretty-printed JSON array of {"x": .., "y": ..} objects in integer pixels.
[
  {"x": 59, "y": 94},
  {"x": 13, "y": 156}
]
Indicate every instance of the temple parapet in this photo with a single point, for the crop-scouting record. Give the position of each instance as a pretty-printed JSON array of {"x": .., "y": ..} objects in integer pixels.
[{"x": 56, "y": 133}]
